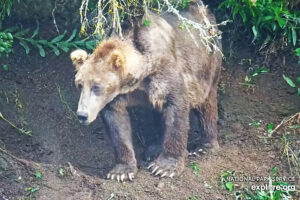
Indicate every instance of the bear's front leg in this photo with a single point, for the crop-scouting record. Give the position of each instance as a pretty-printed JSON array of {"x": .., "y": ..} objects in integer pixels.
[
  {"x": 117, "y": 121},
  {"x": 176, "y": 115}
]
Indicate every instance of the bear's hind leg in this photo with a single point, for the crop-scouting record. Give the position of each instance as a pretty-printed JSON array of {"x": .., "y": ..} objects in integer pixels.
[{"x": 208, "y": 116}]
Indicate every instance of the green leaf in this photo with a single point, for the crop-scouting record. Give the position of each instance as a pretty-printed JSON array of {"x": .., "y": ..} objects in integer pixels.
[
  {"x": 55, "y": 49},
  {"x": 270, "y": 127},
  {"x": 41, "y": 50},
  {"x": 90, "y": 44},
  {"x": 289, "y": 81},
  {"x": 294, "y": 36},
  {"x": 298, "y": 91},
  {"x": 72, "y": 36},
  {"x": 184, "y": 4},
  {"x": 297, "y": 52},
  {"x": 267, "y": 18},
  {"x": 44, "y": 42},
  {"x": 229, "y": 186},
  {"x": 235, "y": 11},
  {"x": 243, "y": 15},
  {"x": 281, "y": 22},
  {"x": 58, "y": 38},
  {"x": 10, "y": 36},
  {"x": 38, "y": 175},
  {"x": 298, "y": 79},
  {"x": 36, "y": 31},
  {"x": 264, "y": 70},
  {"x": 274, "y": 170},
  {"x": 254, "y": 30},
  {"x": 146, "y": 23},
  {"x": 33, "y": 190},
  {"x": 247, "y": 79},
  {"x": 25, "y": 46},
  {"x": 64, "y": 48},
  {"x": 5, "y": 67}
]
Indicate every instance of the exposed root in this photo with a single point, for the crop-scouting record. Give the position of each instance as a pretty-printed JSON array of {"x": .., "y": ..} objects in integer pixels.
[{"x": 24, "y": 162}]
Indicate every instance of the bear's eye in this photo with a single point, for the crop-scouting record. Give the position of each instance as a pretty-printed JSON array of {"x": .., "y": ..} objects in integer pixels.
[{"x": 96, "y": 89}]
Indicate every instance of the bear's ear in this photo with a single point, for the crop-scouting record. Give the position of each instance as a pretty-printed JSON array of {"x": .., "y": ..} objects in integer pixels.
[
  {"x": 117, "y": 59},
  {"x": 78, "y": 57}
]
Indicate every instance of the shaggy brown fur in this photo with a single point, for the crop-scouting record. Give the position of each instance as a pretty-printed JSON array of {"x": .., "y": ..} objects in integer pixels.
[{"x": 159, "y": 65}]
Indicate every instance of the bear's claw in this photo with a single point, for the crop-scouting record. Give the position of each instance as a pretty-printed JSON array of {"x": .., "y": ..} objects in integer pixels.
[
  {"x": 197, "y": 152},
  {"x": 122, "y": 173},
  {"x": 166, "y": 167},
  {"x": 160, "y": 172}
]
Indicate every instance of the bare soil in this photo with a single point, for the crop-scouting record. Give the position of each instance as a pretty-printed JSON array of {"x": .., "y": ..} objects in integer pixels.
[{"x": 38, "y": 94}]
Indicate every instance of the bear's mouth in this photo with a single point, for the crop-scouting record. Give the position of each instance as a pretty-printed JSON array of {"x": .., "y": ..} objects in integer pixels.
[{"x": 84, "y": 122}]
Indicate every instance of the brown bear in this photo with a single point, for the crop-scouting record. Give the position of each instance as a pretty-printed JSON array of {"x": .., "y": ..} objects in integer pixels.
[{"x": 158, "y": 64}]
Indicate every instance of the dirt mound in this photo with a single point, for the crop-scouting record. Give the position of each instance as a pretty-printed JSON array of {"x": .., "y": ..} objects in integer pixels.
[{"x": 38, "y": 94}]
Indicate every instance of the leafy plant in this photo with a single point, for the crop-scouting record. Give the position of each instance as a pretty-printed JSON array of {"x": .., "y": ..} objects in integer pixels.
[
  {"x": 57, "y": 44},
  {"x": 194, "y": 166},
  {"x": 293, "y": 84},
  {"x": 21, "y": 130},
  {"x": 146, "y": 23},
  {"x": 6, "y": 42},
  {"x": 270, "y": 127},
  {"x": 31, "y": 40},
  {"x": 38, "y": 174},
  {"x": 226, "y": 184},
  {"x": 249, "y": 79},
  {"x": 32, "y": 190},
  {"x": 110, "y": 15},
  {"x": 5, "y": 7},
  {"x": 268, "y": 20},
  {"x": 297, "y": 52},
  {"x": 255, "y": 124}
]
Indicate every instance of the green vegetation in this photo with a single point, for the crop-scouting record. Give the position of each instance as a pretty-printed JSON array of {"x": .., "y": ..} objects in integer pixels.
[
  {"x": 56, "y": 44},
  {"x": 20, "y": 130},
  {"x": 110, "y": 15},
  {"x": 38, "y": 174},
  {"x": 294, "y": 84},
  {"x": 195, "y": 167},
  {"x": 5, "y": 8},
  {"x": 269, "y": 21},
  {"x": 28, "y": 40},
  {"x": 6, "y": 41}
]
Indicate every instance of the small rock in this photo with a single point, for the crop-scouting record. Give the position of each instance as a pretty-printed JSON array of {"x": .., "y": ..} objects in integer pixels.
[{"x": 160, "y": 185}]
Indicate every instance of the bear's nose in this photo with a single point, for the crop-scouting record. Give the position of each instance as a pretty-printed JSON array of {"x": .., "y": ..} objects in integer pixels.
[{"x": 82, "y": 116}]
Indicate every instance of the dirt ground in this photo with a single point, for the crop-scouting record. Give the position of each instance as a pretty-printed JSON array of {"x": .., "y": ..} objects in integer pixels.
[{"x": 38, "y": 94}]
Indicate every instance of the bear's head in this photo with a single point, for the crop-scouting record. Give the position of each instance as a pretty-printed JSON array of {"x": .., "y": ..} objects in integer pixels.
[{"x": 112, "y": 69}]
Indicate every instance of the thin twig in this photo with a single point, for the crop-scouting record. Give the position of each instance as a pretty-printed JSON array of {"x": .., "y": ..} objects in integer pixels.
[
  {"x": 54, "y": 21},
  {"x": 284, "y": 121}
]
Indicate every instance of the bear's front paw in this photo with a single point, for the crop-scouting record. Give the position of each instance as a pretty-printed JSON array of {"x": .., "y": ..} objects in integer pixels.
[
  {"x": 165, "y": 166},
  {"x": 122, "y": 172}
]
